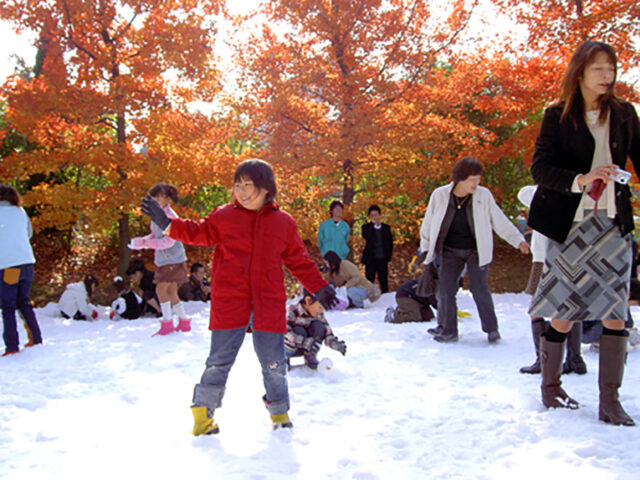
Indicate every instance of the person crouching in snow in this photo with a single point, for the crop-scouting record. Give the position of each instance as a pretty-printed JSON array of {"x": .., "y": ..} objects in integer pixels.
[
  {"x": 171, "y": 260},
  {"x": 411, "y": 306},
  {"x": 307, "y": 328},
  {"x": 128, "y": 305},
  {"x": 253, "y": 238},
  {"x": 74, "y": 302}
]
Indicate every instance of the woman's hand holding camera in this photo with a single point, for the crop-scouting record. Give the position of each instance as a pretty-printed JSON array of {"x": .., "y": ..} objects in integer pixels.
[{"x": 604, "y": 173}]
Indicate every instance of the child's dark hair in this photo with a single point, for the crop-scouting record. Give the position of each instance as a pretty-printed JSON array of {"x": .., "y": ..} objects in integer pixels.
[
  {"x": 334, "y": 262},
  {"x": 334, "y": 204},
  {"x": 260, "y": 173},
  {"x": 465, "y": 168},
  {"x": 306, "y": 293},
  {"x": 195, "y": 267},
  {"x": 118, "y": 284},
  {"x": 634, "y": 290},
  {"x": 373, "y": 208},
  {"x": 90, "y": 282},
  {"x": 136, "y": 265},
  {"x": 9, "y": 194},
  {"x": 166, "y": 190}
]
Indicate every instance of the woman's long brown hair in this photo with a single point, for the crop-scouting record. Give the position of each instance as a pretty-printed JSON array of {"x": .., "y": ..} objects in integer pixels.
[{"x": 570, "y": 94}]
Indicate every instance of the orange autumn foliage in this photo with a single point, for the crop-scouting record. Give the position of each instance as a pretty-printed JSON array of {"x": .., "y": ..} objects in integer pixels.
[{"x": 103, "y": 89}]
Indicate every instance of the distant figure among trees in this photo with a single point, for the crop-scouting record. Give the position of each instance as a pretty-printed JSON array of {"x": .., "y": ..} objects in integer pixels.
[
  {"x": 333, "y": 234},
  {"x": 378, "y": 248}
]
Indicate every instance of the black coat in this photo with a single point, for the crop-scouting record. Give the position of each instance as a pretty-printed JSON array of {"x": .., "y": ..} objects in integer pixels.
[
  {"x": 562, "y": 151},
  {"x": 368, "y": 233}
]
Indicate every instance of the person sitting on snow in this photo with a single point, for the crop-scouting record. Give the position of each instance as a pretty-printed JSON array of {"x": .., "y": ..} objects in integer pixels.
[
  {"x": 307, "y": 328},
  {"x": 198, "y": 288},
  {"x": 74, "y": 300},
  {"x": 128, "y": 305},
  {"x": 142, "y": 277}
]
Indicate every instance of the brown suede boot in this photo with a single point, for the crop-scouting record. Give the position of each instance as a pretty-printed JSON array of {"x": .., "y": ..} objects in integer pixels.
[
  {"x": 613, "y": 352},
  {"x": 553, "y": 396}
]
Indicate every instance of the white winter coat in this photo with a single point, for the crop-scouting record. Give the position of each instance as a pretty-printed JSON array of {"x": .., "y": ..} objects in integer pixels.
[
  {"x": 538, "y": 241},
  {"x": 74, "y": 299},
  {"x": 487, "y": 217}
]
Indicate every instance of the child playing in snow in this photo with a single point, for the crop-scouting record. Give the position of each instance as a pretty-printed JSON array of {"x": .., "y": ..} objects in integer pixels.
[
  {"x": 171, "y": 261},
  {"x": 253, "y": 239},
  {"x": 307, "y": 328},
  {"x": 128, "y": 305},
  {"x": 74, "y": 300}
]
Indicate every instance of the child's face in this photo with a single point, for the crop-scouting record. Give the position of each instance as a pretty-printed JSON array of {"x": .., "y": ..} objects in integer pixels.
[
  {"x": 313, "y": 308},
  {"x": 162, "y": 200},
  {"x": 248, "y": 195},
  {"x": 136, "y": 276}
]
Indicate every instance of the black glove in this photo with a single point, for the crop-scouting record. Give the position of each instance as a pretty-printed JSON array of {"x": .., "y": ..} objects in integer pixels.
[
  {"x": 327, "y": 297},
  {"x": 154, "y": 211},
  {"x": 338, "y": 345},
  {"x": 311, "y": 345}
]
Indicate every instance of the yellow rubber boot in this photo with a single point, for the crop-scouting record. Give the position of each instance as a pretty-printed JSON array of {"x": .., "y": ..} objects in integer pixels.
[
  {"x": 281, "y": 421},
  {"x": 202, "y": 423}
]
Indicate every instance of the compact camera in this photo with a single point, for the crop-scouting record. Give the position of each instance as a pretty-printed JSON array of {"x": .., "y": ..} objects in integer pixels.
[{"x": 621, "y": 176}]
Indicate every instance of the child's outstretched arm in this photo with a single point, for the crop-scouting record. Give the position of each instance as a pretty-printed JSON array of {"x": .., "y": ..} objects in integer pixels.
[
  {"x": 297, "y": 260},
  {"x": 201, "y": 232}
]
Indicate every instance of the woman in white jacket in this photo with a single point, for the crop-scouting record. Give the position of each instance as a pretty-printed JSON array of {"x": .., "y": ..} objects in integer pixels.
[{"x": 457, "y": 230}]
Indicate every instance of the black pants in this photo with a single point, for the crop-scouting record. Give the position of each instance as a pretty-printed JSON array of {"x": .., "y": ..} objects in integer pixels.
[
  {"x": 451, "y": 266},
  {"x": 379, "y": 266}
]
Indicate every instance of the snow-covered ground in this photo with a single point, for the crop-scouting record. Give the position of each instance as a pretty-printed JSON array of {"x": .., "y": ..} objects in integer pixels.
[{"x": 104, "y": 400}]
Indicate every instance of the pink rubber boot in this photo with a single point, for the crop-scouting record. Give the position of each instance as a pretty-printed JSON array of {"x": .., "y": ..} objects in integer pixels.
[
  {"x": 166, "y": 327},
  {"x": 184, "y": 325}
]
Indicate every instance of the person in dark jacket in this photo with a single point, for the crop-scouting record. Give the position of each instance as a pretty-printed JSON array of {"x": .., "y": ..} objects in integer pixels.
[
  {"x": 378, "y": 248},
  {"x": 197, "y": 288},
  {"x": 411, "y": 306},
  {"x": 142, "y": 277},
  {"x": 583, "y": 206},
  {"x": 128, "y": 305}
]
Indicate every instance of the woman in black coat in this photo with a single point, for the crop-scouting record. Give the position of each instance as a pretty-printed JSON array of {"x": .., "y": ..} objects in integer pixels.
[{"x": 583, "y": 206}]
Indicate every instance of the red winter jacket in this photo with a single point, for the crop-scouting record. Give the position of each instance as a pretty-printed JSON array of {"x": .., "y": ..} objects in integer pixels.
[{"x": 246, "y": 274}]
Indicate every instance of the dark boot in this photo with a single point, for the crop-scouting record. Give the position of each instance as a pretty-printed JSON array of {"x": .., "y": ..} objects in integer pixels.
[
  {"x": 613, "y": 352},
  {"x": 538, "y": 327},
  {"x": 574, "y": 362},
  {"x": 553, "y": 396}
]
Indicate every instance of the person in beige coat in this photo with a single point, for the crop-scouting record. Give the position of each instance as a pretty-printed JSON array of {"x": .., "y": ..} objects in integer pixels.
[{"x": 343, "y": 273}]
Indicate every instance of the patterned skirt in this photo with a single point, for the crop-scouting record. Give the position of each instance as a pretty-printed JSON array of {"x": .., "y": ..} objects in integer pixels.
[{"x": 586, "y": 277}]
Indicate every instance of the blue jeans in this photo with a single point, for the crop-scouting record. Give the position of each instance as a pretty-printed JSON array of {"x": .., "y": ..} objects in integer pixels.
[
  {"x": 225, "y": 344},
  {"x": 357, "y": 296},
  {"x": 15, "y": 288}
]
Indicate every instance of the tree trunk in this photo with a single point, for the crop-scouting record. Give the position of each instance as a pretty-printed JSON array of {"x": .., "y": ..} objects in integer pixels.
[{"x": 124, "y": 235}]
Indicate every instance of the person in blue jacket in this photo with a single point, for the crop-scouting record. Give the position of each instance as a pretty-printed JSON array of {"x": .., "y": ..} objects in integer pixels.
[
  {"x": 333, "y": 234},
  {"x": 16, "y": 271}
]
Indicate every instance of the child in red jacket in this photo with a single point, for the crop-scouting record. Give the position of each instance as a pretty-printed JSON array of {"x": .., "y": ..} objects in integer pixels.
[{"x": 253, "y": 239}]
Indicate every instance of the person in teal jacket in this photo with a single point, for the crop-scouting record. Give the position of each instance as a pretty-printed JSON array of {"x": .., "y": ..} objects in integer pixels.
[{"x": 333, "y": 234}]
